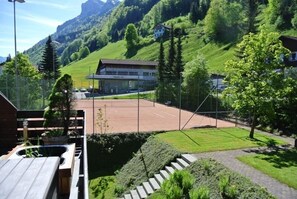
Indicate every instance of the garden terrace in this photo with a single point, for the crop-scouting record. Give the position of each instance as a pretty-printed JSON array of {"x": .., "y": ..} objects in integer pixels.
[{"x": 79, "y": 180}]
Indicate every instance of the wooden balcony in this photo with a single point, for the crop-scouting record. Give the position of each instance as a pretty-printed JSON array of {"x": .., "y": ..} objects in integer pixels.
[{"x": 48, "y": 177}]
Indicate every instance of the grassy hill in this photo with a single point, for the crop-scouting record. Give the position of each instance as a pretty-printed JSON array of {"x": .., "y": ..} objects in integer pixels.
[
  {"x": 82, "y": 68},
  {"x": 193, "y": 44}
]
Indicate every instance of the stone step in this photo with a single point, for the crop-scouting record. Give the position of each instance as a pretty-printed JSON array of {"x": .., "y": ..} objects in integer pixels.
[
  {"x": 154, "y": 184},
  {"x": 141, "y": 192},
  {"x": 164, "y": 174},
  {"x": 159, "y": 179},
  {"x": 128, "y": 196},
  {"x": 182, "y": 163},
  {"x": 134, "y": 194},
  {"x": 188, "y": 158},
  {"x": 176, "y": 166},
  {"x": 148, "y": 188},
  {"x": 169, "y": 170}
]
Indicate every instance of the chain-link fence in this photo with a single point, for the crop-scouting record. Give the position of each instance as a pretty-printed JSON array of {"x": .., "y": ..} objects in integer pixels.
[
  {"x": 202, "y": 97},
  {"x": 26, "y": 93}
]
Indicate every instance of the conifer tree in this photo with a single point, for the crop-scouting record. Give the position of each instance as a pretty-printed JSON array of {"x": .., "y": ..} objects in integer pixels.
[
  {"x": 194, "y": 12},
  {"x": 49, "y": 64},
  {"x": 178, "y": 59},
  {"x": 161, "y": 64},
  {"x": 8, "y": 58},
  {"x": 171, "y": 55}
]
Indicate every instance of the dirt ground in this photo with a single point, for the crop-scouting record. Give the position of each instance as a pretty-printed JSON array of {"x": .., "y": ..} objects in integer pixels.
[{"x": 122, "y": 116}]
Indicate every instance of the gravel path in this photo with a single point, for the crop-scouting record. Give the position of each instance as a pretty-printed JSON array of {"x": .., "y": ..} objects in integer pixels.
[{"x": 228, "y": 158}]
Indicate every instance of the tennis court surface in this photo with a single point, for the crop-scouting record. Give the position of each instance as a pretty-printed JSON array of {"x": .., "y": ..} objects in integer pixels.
[{"x": 122, "y": 116}]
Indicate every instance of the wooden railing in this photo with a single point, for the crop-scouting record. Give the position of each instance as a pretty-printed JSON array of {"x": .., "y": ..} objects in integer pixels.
[
  {"x": 79, "y": 186},
  {"x": 35, "y": 123}
]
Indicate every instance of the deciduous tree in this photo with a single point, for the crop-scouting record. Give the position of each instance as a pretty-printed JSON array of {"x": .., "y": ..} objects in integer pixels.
[
  {"x": 196, "y": 82},
  {"x": 254, "y": 80},
  {"x": 131, "y": 37},
  {"x": 28, "y": 81}
]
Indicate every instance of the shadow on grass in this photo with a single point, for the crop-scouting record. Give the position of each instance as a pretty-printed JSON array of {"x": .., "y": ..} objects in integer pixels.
[
  {"x": 269, "y": 142},
  {"x": 104, "y": 172},
  {"x": 231, "y": 135},
  {"x": 280, "y": 158},
  {"x": 194, "y": 141}
]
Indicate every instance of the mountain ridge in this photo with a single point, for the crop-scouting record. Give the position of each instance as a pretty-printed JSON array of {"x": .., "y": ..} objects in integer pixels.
[{"x": 93, "y": 13}]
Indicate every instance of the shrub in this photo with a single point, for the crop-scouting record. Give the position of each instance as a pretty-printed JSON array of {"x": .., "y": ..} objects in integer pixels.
[
  {"x": 200, "y": 193},
  {"x": 144, "y": 164}
]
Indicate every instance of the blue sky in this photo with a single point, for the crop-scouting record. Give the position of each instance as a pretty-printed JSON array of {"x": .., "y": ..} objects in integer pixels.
[{"x": 35, "y": 20}]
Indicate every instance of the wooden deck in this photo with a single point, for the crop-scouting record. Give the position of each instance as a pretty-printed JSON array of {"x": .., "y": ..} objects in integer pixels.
[{"x": 29, "y": 178}]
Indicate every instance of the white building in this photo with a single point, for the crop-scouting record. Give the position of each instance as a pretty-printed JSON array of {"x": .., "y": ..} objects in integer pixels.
[
  {"x": 122, "y": 76},
  {"x": 160, "y": 30}
]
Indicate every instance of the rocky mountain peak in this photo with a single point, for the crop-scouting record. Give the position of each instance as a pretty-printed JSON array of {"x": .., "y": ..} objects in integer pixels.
[{"x": 96, "y": 7}]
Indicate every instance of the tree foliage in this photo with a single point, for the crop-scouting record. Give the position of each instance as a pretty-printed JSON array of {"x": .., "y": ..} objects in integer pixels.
[
  {"x": 282, "y": 14},
  {"x": 169, "y": 71},
  {"x": 60, "y": 104},
  {"x": 131, "y": 38},
  {"x": 161, "y": 63},
  {"x": 198, "y": 10},
  {"x": 28, "y": 81},
  {"x": 84, "y": 52},
  {"x": 49, "y": 65},
  {"x": 196, "y": 82},
  {"x": 225, "y": 20},
  {"x": 255, "y": 80},
  {"x": 178, "y": 66}
]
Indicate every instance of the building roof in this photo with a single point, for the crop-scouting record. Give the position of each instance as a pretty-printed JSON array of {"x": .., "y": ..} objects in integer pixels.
[
  {"x": 289, "y": 42},
  {"x": 162, "y": 25},
  {"x": 127, "y": 62}
]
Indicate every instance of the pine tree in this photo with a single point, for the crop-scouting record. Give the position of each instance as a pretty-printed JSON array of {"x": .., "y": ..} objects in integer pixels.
[
  {"x": 161, "y": 64},
  {"x": 49, "y": 64},
  {"x": 252, "y": 12},
  {"x": 178, "y": 59},
  {"x": 171, "y": 55},
  {"x": 194, "y": 13},
  {"x": 8, "y": 58}
]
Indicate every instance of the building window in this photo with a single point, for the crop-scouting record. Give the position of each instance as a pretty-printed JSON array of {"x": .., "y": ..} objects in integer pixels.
[
  {"x": 122, "y": 73},
  {"x": 133, "y": 73},
  {"x": 145, "y": 74},
  {"x": 111, "y": 72}
]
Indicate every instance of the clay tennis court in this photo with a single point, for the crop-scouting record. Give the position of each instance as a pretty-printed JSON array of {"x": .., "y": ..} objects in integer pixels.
[{"x": 122, "y": 116}]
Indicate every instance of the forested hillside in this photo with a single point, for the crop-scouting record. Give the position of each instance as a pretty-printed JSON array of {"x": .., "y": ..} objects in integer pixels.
[{"x": 209, "y": 27}]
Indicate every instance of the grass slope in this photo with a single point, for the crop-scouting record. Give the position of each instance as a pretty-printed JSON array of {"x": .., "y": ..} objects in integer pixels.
[
  {"x": 281, "y": 165},
  {"x": 193, "y": 44},
  {"x": 203, "y": 140},
  {"x": 152, "y": 157},
  {"x": 82, "y": 68}
]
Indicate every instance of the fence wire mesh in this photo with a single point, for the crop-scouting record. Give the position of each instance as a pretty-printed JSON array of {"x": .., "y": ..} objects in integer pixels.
[{"x": 26, "y": 93}]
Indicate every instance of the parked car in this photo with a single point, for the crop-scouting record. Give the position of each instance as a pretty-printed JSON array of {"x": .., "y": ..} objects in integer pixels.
[{"x": 83, "y": 90}]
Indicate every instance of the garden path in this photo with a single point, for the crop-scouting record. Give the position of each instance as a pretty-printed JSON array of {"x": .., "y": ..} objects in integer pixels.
[{"x": 228, "y": 158}]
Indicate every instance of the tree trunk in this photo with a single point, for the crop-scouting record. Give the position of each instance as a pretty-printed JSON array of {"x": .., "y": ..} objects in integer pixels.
[
  {"x": 253, "y": 126},
  {"x": 295, "y": 145}
]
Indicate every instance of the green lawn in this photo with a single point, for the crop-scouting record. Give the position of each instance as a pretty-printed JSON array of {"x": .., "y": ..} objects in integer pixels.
[
  {"x": 203, "y": 140},
  {"x": 281, "y": 165},
  {"x": 102, "y": 187}
]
